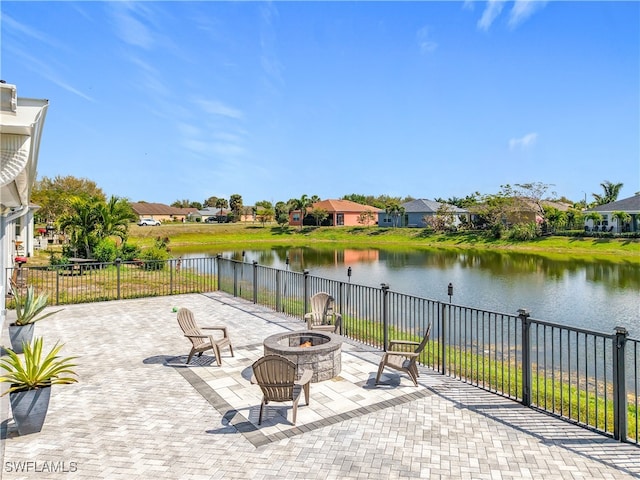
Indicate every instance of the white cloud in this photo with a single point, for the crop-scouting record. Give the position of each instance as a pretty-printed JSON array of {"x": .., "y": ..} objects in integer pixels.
[
  {"x": 44, "y": 69},
  {"x": 215, "y": 107},
  {"x": 523, "y": 143},
  {"x": 424, "y": 42},
  {"x": 491, "y": 12},
  {"x": 523, "y": 9},
  {"x": 129, "y": 29}
]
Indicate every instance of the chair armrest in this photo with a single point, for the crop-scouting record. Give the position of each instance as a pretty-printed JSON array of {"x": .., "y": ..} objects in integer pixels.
[
  {"x": 401, "y": 343},
  {"x": 215, "y": 327},
  {"x": 195, "y": 335},
  {"x": 305, "y": 378}
]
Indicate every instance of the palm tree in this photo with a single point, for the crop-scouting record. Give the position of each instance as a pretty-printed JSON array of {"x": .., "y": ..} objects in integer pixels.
[
  {"x": 621, "y": 219},
  {"x": 302, "y": 204},
  {"x": 115, "y": 216},
  {"x": 81, "y": 221},
  {"x": 595, "y": 217},
  {"x": 221, "y": 203},
  {"x": 395, "y": 211},
  {"x": 611, "y": 192}
]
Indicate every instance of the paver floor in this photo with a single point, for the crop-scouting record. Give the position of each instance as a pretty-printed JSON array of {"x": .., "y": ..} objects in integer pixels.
[{"x": 139, "y": 411}]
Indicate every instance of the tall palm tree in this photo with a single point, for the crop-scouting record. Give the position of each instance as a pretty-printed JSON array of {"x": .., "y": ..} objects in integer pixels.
[
  {"x": 80, "y": 222},
  {"x": 302, "y": 204},
  {"x": 221, "y": 203},
  {"x": 611, "y": 192},
  {"x": 115, "y": 217}
]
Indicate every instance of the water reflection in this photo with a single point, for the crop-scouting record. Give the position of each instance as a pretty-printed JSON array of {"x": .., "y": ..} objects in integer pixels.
[{"x": 593, "y": 294}]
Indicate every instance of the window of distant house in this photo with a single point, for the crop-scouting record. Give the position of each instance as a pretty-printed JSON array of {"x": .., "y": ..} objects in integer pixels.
[
  {"x": 340, "y": 219},
  {"x": 296, "y": 217}
]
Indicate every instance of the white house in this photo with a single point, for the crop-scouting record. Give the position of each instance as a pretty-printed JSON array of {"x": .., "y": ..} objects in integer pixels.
[
  {"x": 608, "y": 221},
  {"x": 21, "y": 123}
]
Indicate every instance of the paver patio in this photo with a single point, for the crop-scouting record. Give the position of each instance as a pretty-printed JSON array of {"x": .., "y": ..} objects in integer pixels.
[{"x": 138, "y": 411}]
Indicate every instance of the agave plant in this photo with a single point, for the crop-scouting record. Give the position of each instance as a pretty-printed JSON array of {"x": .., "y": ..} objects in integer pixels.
[
  {"x": 36, "y": 370},
  {"x": 28, "y": 306}
]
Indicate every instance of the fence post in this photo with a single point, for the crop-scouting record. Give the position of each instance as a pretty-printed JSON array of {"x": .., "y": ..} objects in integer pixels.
[
  {"x": 341, "y": 304},
  {"x": 279, "y": 291},
  {"x": 619, "y": 385},
  {"x": 57, "y": 285},
  {"x": 443, "y": 337},
  {"x": 305, "y": 292},
  {"x": 118, "y": 260},
  {"x": 385, "y": 316},
  {"x": 218, "y": 260},
  {"x": 235, "y": 278},
  {"x": 171, "y": 267},
  {"x": 523, "y": 314},
  {"x": 255, "y": 281}
]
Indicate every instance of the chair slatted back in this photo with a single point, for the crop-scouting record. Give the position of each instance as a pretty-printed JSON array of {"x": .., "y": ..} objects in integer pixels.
[
  {"x": 321, "y": 304},
  {"x": 188, "y": 324},
  {"x": 276, "y": 376},
  {"x": 424, "y": 341}
]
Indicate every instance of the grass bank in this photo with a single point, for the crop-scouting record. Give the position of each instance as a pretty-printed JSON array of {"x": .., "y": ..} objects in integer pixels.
[{"x": 200, "y": 237}]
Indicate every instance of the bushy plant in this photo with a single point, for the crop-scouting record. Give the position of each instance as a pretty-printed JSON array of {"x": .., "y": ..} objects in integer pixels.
[
  {"x": 105, "y": 250},
  {"x": 55, "y": 260},
  {"x": 35, "y": 371},
  {"x": 129, "y": 252},
  {"x": 154, "y": 258},
  {"x": 497, "y": 230},
  {"x": 524, "y": 231}
]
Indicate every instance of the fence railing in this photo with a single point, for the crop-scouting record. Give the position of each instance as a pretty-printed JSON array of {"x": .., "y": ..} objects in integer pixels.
[{"x": 587, "y": 377}]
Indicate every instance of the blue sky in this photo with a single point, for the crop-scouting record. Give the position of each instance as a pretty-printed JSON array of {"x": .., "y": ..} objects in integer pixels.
[{"x": 161, "y": 101}]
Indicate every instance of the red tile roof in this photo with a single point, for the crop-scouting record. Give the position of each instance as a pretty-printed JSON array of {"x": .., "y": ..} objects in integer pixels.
[{"x": 343, "y": 206}]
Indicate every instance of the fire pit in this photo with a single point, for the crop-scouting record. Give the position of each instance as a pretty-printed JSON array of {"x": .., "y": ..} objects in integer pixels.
[{"x": 319, "y": 352}]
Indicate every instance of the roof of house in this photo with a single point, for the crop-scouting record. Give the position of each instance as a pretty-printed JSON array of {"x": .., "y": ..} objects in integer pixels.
[
  {"x": 343, "y": 206},
  {"x": 631, "y": 204},
  {"x": 213, "y": 212},
  {"x": 429, "y": 206},
  {"x": 144, "y": 208}
]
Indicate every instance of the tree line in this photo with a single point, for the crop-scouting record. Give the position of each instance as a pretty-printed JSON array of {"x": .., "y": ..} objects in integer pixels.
[{"x": 98, "y": 226}]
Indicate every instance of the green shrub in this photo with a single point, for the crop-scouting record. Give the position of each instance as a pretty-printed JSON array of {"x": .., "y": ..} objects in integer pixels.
[
  {"x": 129, "y": 252},
  {"x": 524, "y": 232},
  {"x": 105, "y": 250},
  {"x": 55, "y": 260},
  {"x": 497, "y": 230},
  {"x": 154, "y": 258}
]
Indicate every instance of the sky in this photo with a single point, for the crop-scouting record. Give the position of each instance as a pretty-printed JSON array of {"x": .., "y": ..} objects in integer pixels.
[{"x": 161, "y": 101}]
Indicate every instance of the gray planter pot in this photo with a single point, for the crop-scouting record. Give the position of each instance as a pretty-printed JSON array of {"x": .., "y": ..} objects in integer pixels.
[
  {"x": 19, "y": 334},
  {"x": 30, "y": 409}
]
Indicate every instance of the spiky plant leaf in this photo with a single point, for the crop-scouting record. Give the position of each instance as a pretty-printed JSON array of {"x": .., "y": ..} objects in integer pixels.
[
  {"x": 29, "y": 306},
  {"x": 35, "y": 371}
]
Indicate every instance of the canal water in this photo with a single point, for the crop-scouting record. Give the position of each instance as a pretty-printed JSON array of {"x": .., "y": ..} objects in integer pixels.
[{"x": 596, "y": 295}]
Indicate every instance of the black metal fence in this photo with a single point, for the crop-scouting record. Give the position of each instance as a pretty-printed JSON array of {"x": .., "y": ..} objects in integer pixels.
[{"x": 583, "y": 376}]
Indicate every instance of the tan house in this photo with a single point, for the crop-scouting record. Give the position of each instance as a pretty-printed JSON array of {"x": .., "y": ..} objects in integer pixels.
[
  {"x": 162, "y": 212},
  {"x": 341, "y": 212}
]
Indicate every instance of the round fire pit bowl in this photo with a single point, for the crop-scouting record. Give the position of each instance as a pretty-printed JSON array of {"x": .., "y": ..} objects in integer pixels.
[{"x": 316, "y": 351}]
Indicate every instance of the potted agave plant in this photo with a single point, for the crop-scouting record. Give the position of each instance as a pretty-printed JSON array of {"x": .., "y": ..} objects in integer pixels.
[
  {"x": 28, "y": 309},
  {"x": 31, "y": 377}
]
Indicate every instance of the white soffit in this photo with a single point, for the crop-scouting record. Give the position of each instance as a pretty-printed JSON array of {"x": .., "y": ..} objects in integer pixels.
[{"x": 20, "y": 134}]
